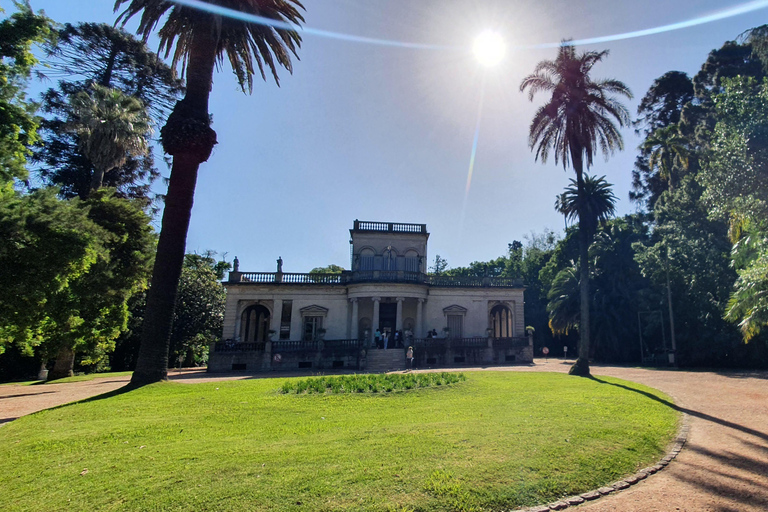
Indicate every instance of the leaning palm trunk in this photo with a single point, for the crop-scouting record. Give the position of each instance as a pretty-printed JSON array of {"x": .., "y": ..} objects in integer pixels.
[{"x": 188, "y": 137}]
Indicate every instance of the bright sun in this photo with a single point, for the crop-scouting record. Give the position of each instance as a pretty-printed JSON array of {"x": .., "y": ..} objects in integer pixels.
[{"x": 489, "y": 48}]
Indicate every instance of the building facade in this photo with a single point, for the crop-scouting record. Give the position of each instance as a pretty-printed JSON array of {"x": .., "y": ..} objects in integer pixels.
[{"x": 278, "y": 320}]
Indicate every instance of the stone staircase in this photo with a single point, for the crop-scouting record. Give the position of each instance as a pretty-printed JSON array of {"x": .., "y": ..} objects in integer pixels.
[{"x": 385, "y": 360}]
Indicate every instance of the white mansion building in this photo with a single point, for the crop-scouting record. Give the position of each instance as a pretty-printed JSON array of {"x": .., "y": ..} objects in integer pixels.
[{"x": 277, "y": 320}]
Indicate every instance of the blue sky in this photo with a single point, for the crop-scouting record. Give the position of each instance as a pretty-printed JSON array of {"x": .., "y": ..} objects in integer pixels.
[{"x": 371, "y": 132}]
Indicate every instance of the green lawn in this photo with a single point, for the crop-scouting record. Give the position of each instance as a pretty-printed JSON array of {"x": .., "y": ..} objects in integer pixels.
[{"x": 495, "y": 441}]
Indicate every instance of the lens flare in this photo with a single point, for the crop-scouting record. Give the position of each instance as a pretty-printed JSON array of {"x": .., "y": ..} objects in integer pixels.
[
  {"x": 723, "y": 14},
  {"x": 489, "y": 48}
]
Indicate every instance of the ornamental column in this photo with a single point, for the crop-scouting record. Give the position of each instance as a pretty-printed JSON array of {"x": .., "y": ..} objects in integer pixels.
[
  {"x": 419, "y": 315},
  {"x": 399, "y": 314},
  {"x": 355, "y": 320},
  {"x": 375, "y": 326}
]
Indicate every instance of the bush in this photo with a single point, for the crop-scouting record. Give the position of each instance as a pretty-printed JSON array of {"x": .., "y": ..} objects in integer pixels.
[{"x": 370, "y": 383}]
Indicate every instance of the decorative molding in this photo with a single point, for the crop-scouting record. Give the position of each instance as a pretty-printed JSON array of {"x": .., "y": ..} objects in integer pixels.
[
  {"x": 455, "y": 309},
  {"x": 314, "y": 310}
]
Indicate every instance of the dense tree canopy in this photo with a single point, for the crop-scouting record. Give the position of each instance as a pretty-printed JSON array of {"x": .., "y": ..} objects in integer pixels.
[
  {"x": 18, "y": 124},
  {"x": 83, "y": 55}
]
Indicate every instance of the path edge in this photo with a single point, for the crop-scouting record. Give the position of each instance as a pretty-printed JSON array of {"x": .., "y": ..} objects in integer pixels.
[{"x": 675, "y": 448}]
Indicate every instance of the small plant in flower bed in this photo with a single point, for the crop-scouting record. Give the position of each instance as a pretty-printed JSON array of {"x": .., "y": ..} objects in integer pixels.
[{"x": 380, "y": 383}]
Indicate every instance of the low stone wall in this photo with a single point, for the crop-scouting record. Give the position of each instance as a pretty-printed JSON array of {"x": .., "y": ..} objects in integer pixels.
[{"x": 332, "y": 356}]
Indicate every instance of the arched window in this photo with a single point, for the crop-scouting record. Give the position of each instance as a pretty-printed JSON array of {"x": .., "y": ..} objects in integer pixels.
[
  {"x": 367, "y": 257},
  {"x": 389, "y": 258},
  {"x": 502, "y": 322},
  {"x": 254, "y": 324},
  {"x": 411, "y": 261}
]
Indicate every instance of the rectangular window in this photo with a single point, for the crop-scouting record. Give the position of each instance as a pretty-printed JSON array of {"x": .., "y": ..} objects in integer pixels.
[
  {"x": 312, "y": 324},
  {"x": 285, "y": 320},
  {"x": 455, "y": 325}
]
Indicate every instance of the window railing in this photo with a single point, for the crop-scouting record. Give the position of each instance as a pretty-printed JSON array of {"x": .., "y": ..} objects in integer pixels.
[{"x": 364, "y": 276}]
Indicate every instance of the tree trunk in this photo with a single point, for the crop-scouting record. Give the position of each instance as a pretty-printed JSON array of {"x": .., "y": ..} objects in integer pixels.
[
  {"x": 581, "y": 367},
  {"x": 65, "y": 363},
  {"x": 187, "y": 136},
  {"x": 97, "y": 179}
]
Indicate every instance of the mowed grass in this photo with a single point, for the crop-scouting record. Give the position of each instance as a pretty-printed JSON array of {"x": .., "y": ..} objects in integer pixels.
[{"x": 498, "y": 440}]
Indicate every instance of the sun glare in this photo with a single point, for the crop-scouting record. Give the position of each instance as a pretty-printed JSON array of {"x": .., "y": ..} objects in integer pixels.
[{"x": 489, "y": 48}]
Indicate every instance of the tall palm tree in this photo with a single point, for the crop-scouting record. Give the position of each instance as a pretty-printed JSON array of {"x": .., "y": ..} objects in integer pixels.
[
  {"x": 111, "y": 127},
  {"x": 576, "y": 122},
  {"x": 667, "y": 149},
  {"x": 199, "y": 40}
]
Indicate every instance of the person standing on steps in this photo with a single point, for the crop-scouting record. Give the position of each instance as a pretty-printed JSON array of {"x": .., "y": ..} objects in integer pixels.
[{"x": 409, "y": 357}]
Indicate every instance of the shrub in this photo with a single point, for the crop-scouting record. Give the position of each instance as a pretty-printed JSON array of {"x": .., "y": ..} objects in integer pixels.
[{"x": 370, "y": 383}]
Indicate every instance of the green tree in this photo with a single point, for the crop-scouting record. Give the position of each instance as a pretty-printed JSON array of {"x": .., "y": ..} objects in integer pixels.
[
  {"x": 199, "y": 312},
  {"x": 661, "y": 107},
  {"x": 92, "y": 312},
  {"x": 198, "y": 39},
  {"x": 18, "y": 123},
  {"x": 618, "y": 292},
  {"x": 439, "y": 266},
  {"x": 735, "y": 175},
  {"x": 577, "y": 121},
  {"x": 111, "y": 127},
  {"x": 47, "y": 245},
  {"x": 701, "y": 276},
  {"x": 667, "y": 152},
  {"x": 330, "y": 269},
  {"x": 94, "y": 53}
]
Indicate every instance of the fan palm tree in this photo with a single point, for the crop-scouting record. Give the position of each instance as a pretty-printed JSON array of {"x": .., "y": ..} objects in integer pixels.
[
  {"x": 667, "y": 149},
  {"x": 111, "y": 127},
  {"x": 576, "y": 122},
  {"x": 199, "y": 40}
]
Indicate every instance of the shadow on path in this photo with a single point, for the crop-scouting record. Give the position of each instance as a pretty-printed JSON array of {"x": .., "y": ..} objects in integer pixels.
[
  {"x": 697, "y": 414},
  {"x": 25, "y": 394}
]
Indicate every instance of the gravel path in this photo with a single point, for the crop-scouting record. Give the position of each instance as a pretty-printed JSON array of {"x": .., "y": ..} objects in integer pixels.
[{"x": 722, "y": 468}]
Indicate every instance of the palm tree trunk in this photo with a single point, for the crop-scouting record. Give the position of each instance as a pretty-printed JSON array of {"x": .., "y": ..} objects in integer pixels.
[
  {"x": 187, "y": 136},
  {"x": 581, "y": 367}
]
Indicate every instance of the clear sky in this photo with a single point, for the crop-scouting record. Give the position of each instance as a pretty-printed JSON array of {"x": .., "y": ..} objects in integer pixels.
[{"x": 372, "y": 132}]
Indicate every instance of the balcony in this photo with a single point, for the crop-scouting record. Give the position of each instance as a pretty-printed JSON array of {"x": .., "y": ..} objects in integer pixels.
[
  {"x": 389, "y": 227},
  {"x": 373, "y": 276}
]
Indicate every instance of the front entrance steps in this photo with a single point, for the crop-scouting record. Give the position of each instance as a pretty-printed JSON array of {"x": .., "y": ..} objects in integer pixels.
[{"x": 379, "y": 360}]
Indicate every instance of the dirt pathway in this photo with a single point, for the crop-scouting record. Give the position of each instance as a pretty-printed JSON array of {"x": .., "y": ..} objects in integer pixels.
[{"x": 722, "y": 468}]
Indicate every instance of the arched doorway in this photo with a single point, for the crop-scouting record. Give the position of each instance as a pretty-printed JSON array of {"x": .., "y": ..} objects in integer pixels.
[
  {"x": 502, "y": 322},
  {"x": 254, "y": 324}
]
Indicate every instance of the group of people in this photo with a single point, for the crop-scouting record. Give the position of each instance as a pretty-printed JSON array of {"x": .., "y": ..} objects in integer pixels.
[{"x": 383, "y": 339}]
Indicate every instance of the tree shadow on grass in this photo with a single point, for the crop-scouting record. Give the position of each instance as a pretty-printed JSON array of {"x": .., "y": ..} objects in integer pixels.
[
  {"x": 109, "y": 394},
  {"x": 696, "y": 414}
]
